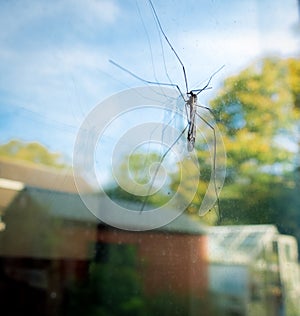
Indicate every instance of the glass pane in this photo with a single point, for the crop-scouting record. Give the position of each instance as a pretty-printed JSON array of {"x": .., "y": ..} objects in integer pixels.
[{"x": 149, "y": 157}]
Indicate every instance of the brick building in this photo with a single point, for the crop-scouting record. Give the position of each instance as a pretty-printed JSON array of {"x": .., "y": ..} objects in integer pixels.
[{"x": 50, "y": 240}]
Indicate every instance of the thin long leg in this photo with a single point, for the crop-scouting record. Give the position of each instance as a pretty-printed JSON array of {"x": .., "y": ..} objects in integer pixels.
[
  {"x": 147, "y": 81},
  {"x": 170, "y": 45},
  {"x": 157, "y": 168},
  {"x": 148, "y": 40},
  {"x": 197, "y": 91},
  {"x": 169, "y": 122},
  {"x": 163, "y": 132},
  {"x": 206, "y": 108}
]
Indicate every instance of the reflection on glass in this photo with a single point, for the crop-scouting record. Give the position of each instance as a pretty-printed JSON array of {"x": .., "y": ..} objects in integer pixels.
[{"x": 57, "y": 257}]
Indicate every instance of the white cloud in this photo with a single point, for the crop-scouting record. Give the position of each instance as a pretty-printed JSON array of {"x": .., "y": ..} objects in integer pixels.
[
  {"x": 16, "y": 16},
  {"x": 105, "y": 10}
]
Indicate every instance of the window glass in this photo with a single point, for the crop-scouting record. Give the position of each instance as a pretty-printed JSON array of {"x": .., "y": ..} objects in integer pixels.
[{"x": 149, "y": 157}]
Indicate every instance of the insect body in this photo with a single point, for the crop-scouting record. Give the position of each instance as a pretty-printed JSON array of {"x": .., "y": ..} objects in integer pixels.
[{"x": 191, "y": 137}]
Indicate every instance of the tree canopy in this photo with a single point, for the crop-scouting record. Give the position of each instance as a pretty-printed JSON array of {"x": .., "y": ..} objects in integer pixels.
[
  {"x": 259, "y": 113},
  {"x": 32, "y": 152}
]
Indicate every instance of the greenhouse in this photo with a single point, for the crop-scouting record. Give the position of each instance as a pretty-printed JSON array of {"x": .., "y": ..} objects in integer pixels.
[{"x": 254, "y": 270}]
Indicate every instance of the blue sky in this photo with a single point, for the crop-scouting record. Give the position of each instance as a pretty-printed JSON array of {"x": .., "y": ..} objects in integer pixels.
[{"x": 54, "y": 54}]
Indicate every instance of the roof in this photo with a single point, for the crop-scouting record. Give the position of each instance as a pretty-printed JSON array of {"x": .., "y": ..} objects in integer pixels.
[
  {"x": 41, "y": 176},
  {"x": 15, "y": 175},
  {"x": 240, "y": 243},
  {"x": 70, "y": 207},
  {"x": 55, "y": 190}
]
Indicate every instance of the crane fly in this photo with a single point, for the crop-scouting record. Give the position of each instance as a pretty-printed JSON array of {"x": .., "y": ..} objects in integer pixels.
[{"x": 191, "y": 106}]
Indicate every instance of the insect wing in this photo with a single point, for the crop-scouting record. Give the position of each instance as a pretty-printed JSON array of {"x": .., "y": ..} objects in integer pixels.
[{"x": 212, "y": 159}]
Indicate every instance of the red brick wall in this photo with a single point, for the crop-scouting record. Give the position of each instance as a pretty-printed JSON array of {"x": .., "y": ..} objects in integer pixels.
[{"x": 168, "y": 262}]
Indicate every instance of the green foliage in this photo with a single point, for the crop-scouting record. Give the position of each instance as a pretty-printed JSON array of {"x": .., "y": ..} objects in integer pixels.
[
  {"x": 293, "y": 80},
  {"x": 113, "y": 287},
  {"x": 168, "y": 303},
  {"x": 259, "y": 109},
  {"x": 255, "y": 107},
  {"x": 32, "y": 152},
  {"x": 258, "y": 112},
  {"x": 135, "y": 175}
]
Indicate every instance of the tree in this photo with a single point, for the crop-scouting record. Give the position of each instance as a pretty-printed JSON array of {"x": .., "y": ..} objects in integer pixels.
[
  {"x": 259, "y": 109},
  {"x": 33, "y": 152},
  {"x": 257, "y": 112},
  {"x": 134, "y": 178},
  {"x": 113, "y": 287}
]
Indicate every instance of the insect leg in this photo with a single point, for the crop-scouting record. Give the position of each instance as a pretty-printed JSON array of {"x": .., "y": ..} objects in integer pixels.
[
  {"x": 170, "y": 45},
  {"x": 157, "y": 168},
  {"x": 197, "y": 91},
  {"x": 168, "y": 84}
]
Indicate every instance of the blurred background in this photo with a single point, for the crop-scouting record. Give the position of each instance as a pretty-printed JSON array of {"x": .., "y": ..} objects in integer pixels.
[{"x": 56, "y": 257}]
